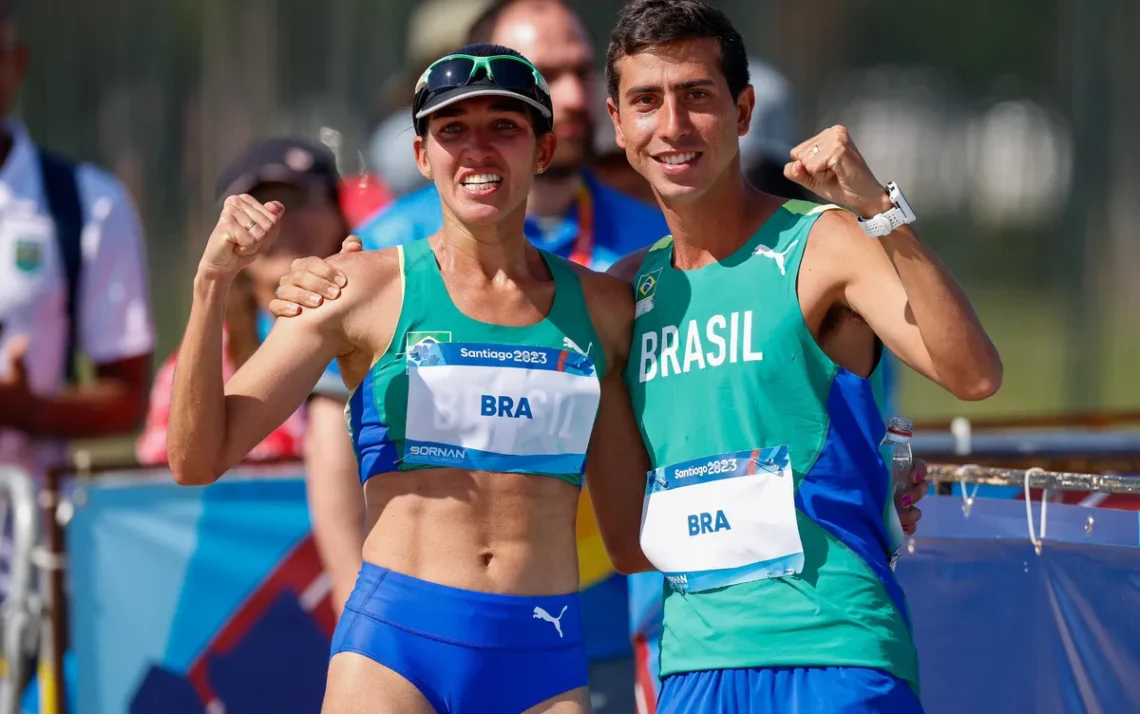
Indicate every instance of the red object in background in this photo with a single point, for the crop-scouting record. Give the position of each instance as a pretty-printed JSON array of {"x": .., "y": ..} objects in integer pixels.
[
  {"x": 286, "y": 442},
  {"x": 362, "y": 196},
  {"x": 645, "y": 686}
]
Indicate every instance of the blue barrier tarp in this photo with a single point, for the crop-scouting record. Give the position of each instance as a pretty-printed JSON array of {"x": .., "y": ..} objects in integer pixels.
[
  {"x": 185, "y": 596},
  {"x": 1002, "y": 629}
]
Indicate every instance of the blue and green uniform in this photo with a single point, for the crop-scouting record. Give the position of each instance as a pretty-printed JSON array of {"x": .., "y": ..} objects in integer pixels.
[
  {"x": 452, "y": 391},
  {"x": 620, "y": 225},
  {"x": 735, "y": 397}
]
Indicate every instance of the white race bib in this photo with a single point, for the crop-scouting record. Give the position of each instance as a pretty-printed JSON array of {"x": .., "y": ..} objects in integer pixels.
[
  {"x": 505, "y": 408},
  {"x": 722, "y": 520}
]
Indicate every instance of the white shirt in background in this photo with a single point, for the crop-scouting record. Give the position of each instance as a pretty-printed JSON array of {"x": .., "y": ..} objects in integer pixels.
[{"x": 113, "y": 306}]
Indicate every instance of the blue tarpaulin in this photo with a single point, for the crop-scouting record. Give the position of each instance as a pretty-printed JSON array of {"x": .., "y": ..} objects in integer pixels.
[
  {"x": 183, "y": 598},
  {"x": 1003, "y": 629}
]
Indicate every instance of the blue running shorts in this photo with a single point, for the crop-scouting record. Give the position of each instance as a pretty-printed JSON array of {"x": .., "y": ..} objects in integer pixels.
[{"x": 466, "y": 651}]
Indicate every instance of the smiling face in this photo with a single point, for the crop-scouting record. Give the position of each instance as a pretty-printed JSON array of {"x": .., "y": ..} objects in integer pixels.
[
  {"x": 482, "y": 154},
  {"x": 676, "y": 118}
]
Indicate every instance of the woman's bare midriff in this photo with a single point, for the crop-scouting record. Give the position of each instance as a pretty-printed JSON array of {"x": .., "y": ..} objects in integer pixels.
[{"x": 489, "y": 532}]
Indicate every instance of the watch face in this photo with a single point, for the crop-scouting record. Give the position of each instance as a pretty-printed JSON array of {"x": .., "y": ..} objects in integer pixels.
[{"x": 897, "y": 198}]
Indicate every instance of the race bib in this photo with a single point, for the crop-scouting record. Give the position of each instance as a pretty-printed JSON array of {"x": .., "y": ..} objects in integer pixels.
[
  {"x": 505, "y": 408},
  {"x": 722, "y": 520}
]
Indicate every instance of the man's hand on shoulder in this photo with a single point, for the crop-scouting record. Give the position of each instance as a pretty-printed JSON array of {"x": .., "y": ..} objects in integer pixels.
[{"x": 311, "y": 281}]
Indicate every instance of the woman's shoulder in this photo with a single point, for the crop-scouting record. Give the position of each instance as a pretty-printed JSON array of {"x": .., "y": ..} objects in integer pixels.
[
  {"x": 609, "y": 301},
  {"x": 368, "y": 273}
]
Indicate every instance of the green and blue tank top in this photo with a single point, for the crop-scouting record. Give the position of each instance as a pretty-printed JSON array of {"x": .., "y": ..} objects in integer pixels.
[
  {"x": 452, "y": 391},
  {"x": 766, "y": 507},
  {"x": 619, "y": 225}
]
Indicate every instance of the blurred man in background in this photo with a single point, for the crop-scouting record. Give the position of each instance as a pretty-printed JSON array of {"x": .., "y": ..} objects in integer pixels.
[
  {"x": 567, "y": 196},
  {"x": 73, "y": 280}
]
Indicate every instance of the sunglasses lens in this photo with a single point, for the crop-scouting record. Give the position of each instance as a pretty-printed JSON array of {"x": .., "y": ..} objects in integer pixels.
[
  {"x": 449, "y": 74},
  {"x": 510, "y": 74}
]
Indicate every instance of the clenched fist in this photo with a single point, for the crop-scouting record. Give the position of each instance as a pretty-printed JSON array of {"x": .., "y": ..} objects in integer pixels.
[
  {"x": 245, "y": 230},
  {"x": 830, "y": 165}
]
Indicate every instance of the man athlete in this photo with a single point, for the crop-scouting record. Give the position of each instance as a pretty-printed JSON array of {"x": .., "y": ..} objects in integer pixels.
[{"x": 767, "y": 514}]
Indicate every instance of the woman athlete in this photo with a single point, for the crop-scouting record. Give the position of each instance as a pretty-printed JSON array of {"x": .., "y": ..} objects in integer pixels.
[{"x": 485, "y": 371}]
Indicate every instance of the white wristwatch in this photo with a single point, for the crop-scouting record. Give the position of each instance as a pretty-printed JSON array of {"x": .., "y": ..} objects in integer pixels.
[{"x": 886, "y": 223}]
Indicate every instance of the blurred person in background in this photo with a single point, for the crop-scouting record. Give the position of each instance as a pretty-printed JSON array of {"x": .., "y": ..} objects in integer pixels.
[
  {"x": 73, "y": 280},
  {"x": 302, "y": 175}
]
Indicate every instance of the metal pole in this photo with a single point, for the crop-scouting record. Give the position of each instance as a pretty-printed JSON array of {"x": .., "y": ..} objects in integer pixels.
[
  {"x": 53, "y": 692},
  {"x": 19, "y": 610},
  {"x": 1071, "y": 420},
  {"x": 1051, "y": 480},
  {"x": 1084, "y": 224}
]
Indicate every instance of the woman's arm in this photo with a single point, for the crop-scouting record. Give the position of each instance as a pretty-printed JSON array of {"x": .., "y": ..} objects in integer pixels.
[{"x": 213, "y": 426}]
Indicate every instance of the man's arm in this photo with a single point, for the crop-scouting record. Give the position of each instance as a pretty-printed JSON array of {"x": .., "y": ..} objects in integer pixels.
[
  {"x": 910, "y": 301},
  {"x": 626, "y": 268},
  {"x": 895, "y": 283},
  {"x": 336, "y": 500},
  {"x": 617, "y": 462}
]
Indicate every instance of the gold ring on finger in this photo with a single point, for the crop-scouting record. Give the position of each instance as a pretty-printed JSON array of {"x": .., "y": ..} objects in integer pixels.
[{"x": 252, "y": 223}]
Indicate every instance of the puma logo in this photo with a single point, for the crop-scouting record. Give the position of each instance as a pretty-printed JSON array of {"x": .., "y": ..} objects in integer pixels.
[
  {"x": 540, "y": 614},
  {"x": 778, "y": 257},
  {"x": 571, "y": 345}
]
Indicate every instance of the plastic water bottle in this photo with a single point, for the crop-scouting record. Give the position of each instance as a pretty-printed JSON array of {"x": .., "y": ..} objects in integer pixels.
[{"x": 897, "y": 454}]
